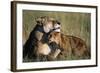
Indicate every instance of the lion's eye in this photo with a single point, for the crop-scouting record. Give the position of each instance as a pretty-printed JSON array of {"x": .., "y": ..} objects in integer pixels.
[{"x": 50, "y": 36}]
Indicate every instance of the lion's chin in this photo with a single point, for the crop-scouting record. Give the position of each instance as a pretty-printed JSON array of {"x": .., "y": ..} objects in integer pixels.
[{"x": 46, "y": 30}]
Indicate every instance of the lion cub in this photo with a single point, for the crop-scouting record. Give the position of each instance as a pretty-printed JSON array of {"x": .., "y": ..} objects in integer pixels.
[{"x": 69, "y": 45}]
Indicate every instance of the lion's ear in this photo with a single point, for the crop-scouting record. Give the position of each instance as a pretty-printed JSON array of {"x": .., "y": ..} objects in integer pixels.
[
  {"x": 39, "y": 21},
  {"x": 58, "y": 22}
]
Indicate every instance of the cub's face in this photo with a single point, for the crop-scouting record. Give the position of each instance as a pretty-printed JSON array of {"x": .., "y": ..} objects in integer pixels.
[{"x": 54, "y": 37}]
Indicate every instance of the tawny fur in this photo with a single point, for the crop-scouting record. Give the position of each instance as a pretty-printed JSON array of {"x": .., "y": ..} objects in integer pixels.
[{"x": 70, "y": 45}]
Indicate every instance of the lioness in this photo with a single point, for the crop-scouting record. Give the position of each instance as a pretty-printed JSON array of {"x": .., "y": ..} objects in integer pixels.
[
  {"x": 70, "y": 45},
  {"x": 39, "y": 34}
]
